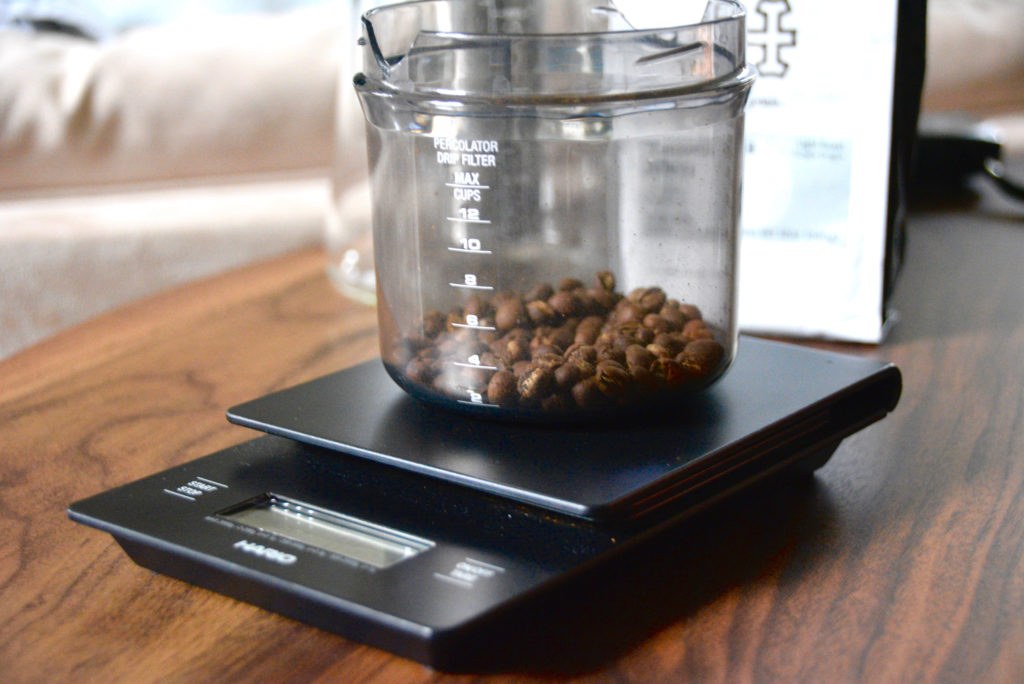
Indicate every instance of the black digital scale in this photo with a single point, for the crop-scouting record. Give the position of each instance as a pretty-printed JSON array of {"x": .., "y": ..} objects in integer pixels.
[{"x": 370, "y": 514}]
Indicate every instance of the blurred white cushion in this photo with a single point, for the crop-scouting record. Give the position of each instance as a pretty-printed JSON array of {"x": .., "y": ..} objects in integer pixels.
[{"x": 233, "y": 94}]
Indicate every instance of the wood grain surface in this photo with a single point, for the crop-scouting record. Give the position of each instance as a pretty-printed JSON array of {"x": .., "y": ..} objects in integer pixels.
[{"x": 901, "y": 561}]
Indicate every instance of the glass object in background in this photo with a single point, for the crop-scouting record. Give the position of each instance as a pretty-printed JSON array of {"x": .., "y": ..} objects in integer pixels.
[{"x": 349, "y": 238}]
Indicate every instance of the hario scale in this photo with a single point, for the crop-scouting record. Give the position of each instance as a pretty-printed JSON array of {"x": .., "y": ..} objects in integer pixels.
[{"x": 371, "y": 515}]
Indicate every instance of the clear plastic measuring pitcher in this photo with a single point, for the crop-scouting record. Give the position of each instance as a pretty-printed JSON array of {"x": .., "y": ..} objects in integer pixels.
[{"x": 555, "y": 202}]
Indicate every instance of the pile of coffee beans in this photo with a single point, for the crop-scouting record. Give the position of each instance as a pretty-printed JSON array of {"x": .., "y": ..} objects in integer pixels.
[{"x": 567, "y": 347}]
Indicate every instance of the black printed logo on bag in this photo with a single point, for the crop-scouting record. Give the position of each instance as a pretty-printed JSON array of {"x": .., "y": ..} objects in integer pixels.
[{"x": 768, "y": 37}]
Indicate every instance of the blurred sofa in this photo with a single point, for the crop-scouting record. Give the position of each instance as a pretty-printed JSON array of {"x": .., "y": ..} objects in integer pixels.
[
  {"x": 164, "y": 154},
  {"x": 169, "y": 153}
]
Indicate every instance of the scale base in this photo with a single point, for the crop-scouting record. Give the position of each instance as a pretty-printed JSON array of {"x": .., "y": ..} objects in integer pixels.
[{"x": 440, "y": 550}]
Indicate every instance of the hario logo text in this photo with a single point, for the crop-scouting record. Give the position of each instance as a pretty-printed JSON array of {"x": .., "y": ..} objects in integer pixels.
[{"x": 266, "y": 552}]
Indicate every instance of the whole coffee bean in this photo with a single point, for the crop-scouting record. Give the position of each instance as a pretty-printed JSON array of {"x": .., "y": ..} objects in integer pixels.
[
  {"x": 697, "y": 329},
  {"x": 539, "y": 292},
  {"x": 659, "y": 351},
  {"x": 606, "y": 279},
  {"x": 545, "y": 349},
  {"x": 588, "y": 330},
  {"x": 690, "y": 312},
  {"x": 443, "y": 384},
  {"x": 653, "y": 299},
  {"x": 587, "y": 395},
  {"x": 475, "y": 306},
  {"x": 672, "y": 317},
  {"x": 535, "y": 385},
  {"x": 562, "y": 337},
  {"x": 548, "y": 360},
  {"x": 620, "y": 342},
  {"x": 588, "y": 304},
  {"x": 469, "y": 341},
  {"x": 612, "y": 378},
  {"x": 638, "y": 357},
  {"x": 449, "y": 345},
  {"x": 429, "y": 354},
  {"x": 521, "y": 334},
  {"x": 702, "y": 355},
  {"x": 540, "y": 338},
  {"x": 673, "y": 343},
  {"x": 433, "y": 324},
  {"x": 521, "y": 368},
  {"x": 504, "y": 296},
  {"x": 568, "y": 284},
  {"x": 469, "y": 376},
  {"x": 669, "y": 371},
  {"x": 540, "y": 313},
  {"x": 568, "y": 374},
  {"x": 626, "y": 311},
  {"x": 643, "y": 336},
  {"x": 586, "y": 368},
  {"x": 421, "y": 371},
  {"x": 501, "y": 389},
  {"x": 510, "y": 314},
  {"x": 609, "y": 353},
  {"x": 656, "y": 323},
  {"x": 514, "y": 351},
  {"x": 564, "y": 302},
  {"x": 604, "y": 299},
  {"x": 582, "y": 352},
  {"x": 650, "y": 299}
]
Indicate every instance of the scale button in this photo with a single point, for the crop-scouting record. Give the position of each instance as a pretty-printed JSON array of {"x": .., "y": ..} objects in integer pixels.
[
  {"x": 469, "y": 572},
  {"x": 195, "y": 488}
]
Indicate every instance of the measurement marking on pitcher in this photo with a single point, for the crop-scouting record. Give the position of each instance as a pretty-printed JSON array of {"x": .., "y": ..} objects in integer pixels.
[
  {"x": 476, "y": 366},
  {"x": 468, "y": 185},
  {"x": 475, "y": 398},
  {"x": 473, "y": 323},
  {"x": 468, "y": 215},
  {"x": 470, "y": 283},
  {"x": 473, "y": 362},
  {"x": 469, "y": 251},
  {"x": 455, "y": 219},
  {"x": 475, "y": 403},
  {"x": 470, "y": 246},
  {"x": 473, "y": 327},
  {"x": 472, "y": 287}
]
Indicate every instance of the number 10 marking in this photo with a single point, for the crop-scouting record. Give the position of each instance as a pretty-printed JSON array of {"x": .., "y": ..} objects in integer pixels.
[{"x": 470, "y": 246}]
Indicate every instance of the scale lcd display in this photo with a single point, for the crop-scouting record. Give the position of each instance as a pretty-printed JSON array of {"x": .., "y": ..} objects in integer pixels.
[{"x": 330, "y": 531}]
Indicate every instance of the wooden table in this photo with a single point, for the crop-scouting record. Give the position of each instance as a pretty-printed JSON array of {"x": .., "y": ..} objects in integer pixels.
[{"x": 903, "y": 560}]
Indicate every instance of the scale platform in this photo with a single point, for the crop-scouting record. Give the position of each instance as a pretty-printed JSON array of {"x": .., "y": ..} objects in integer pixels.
[{"x": 368, "y": 513}]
